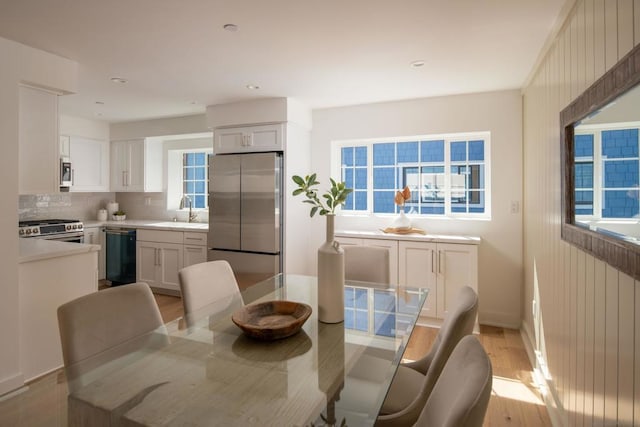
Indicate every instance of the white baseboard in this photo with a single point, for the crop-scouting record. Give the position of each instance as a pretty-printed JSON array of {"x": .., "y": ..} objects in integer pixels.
[
  {"x": 11, "y": 383},
  {"x": 548, "y": 389}
]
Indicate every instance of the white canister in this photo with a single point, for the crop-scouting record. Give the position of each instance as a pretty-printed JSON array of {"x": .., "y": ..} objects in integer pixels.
[
  {"x": 102, "y": 214},
  {"x": 112, "y": 207}
]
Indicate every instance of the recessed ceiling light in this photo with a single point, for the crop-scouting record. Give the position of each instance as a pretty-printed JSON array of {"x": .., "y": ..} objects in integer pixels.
[
  {"x": 232, "y": 28},
  {"x": 99, "y": 103},
  {"x": 253, "y": 87},
  {"x": 417, "y": 64},
  {"x": 98, "y": 114},
  {"x": 118, "y": 80}
]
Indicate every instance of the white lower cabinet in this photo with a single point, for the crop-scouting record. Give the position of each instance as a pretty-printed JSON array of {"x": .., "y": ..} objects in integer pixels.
[
  {"x": 195, "y": 248},
  {"x": 391, "y": 245},
  {"x": 159, "y": 257},
  {"x": 161, "y": 254},
  {"x": 96, "y": 236},
  {"x": 442, "y": 267}
]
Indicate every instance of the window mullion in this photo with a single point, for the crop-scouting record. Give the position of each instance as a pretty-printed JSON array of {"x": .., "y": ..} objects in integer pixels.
[
  {"x": 370, "y": 178},
  {"x": 447, "y": 176},
  {"x": 598, "y": 177}
]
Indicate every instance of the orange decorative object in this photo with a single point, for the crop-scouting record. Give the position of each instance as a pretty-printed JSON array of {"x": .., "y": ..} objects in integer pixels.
[{"x": 402, "y": 196}]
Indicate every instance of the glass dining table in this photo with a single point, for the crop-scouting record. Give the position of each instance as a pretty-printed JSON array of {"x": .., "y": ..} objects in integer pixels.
[{"x": 201, "y": 370}]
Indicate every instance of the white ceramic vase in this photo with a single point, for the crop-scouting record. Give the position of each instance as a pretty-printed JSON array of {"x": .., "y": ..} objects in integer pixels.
[
  {"x": 401, "y": 222},
  {"x": 330, "y": 278}
]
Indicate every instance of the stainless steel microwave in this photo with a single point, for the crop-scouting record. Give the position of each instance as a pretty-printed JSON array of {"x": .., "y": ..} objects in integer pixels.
[{"x": 66, "y": 177}]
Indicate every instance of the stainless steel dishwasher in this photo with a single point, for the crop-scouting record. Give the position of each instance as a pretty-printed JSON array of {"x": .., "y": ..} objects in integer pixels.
[{"x": 121, "y": 255}]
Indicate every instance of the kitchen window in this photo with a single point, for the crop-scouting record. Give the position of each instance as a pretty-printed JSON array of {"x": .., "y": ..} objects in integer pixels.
[
  {"x": 607, "y": 171},
  {"x": 187, "y": 171},
  {"x": 448, "y": 175},
  {"x": 195, "y": 178}
]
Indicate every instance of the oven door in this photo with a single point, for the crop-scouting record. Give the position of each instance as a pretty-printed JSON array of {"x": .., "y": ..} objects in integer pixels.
[{"x": 64, "y": 237}]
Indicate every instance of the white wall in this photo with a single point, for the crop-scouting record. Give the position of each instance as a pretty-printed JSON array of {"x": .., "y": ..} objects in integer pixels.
[
  {"x": 500, "y": 254},
  {"x": 159, "y": 127},
  {"x": 590, "y": 333},
  {"x": 78, "y": 126},
  {"x": 19, "y": 64}
]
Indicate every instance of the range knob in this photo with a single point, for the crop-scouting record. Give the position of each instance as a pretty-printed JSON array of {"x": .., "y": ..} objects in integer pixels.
[
  {"x": 28, "y": 231},
  {"x": 79, "y": 226},
  {"x": 35, "y": 231},
  {"x": 21, "y": 232}
]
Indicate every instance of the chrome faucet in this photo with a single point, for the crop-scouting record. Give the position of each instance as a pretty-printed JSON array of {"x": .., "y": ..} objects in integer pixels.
[{"x": 183, "y": 202}]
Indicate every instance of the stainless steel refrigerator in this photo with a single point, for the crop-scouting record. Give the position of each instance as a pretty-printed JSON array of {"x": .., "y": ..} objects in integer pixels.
[{"x": 245, "y": 214}]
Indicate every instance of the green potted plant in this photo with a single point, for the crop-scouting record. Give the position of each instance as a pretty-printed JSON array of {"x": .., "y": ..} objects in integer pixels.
[
  {"x": 119, "y": 215},
  {"x": 330, "y": 254},
  {"x": 336, "y": 196}
]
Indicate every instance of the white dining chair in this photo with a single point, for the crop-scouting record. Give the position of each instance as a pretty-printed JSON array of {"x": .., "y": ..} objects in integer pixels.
[
  {"x": 414, "y": 381},
  {"x": 101, "y": 320},
  {"x": 366, "y": 263},
  {"x": 205, "y": 283},
  {"x": 461, "y": 395}
]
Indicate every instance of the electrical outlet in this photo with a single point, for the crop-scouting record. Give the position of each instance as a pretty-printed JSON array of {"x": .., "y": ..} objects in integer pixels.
[
  {"x": 515, "y": 206},
  {"x": 147, "y": 201}
]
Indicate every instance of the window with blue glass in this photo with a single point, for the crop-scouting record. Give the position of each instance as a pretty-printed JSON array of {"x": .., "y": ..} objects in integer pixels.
[
  {"x": 354, "y": 173},
  {"x": 446, "y": 175},
  {"x": 606, "y": 173},
  {"x": 195, "y": 176}
]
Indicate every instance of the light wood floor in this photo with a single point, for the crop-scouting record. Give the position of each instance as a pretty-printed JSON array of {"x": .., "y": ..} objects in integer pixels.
[{"x": 514, "y": 401}]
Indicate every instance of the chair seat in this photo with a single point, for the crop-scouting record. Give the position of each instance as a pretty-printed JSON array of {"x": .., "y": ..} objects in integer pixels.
[{"x": 404, "y": 389}]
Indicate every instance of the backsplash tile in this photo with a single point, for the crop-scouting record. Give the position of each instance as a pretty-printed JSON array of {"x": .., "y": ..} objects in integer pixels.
[
  {"x": 85, "y": 206},
  {"x": 82, "y": 206}
]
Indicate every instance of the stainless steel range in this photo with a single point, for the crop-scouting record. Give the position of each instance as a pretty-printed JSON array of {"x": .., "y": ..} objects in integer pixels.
[{"x": 64, "y": 230}]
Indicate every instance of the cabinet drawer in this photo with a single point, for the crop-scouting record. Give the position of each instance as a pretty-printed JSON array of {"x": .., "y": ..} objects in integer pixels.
[
  {"x": 161, "y": 236},
  {"x": 195, "y": 239}
]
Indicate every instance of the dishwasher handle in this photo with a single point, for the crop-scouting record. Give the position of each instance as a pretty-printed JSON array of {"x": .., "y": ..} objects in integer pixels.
[{"x": 123, "y": 231}]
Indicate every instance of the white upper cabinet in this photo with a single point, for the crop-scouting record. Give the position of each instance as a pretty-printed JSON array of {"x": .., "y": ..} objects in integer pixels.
[
  {"x": 248, "y": 139},
  {"x": 89, "y": 162},
  {"x": 136, "y": 166},
  {"x": 39, "y": 161}
]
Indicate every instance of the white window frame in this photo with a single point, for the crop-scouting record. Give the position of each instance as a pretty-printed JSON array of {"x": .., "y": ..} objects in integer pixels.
[
  {"x": 336, "y": 170},
  {"x": 174, "y": 149},
  {"x": 598, "y": 170}
]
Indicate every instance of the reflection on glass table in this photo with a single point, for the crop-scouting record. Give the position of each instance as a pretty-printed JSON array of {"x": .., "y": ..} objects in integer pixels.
[{"x": 208, "y": 373}]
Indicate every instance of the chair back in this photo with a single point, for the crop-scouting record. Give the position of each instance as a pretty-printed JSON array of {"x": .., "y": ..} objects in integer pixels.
[
  {"x": 366, "y": 263},
  {"x": 98, "y": 321},
  {"x": 205, "y": 283},
  {"x": 461, "y": 395},
  {"x": 457, "y": 324}
]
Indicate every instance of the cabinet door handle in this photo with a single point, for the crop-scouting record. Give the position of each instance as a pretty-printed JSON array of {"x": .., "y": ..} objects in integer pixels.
[
  {"x": 193, "y": 249},
  {"x": 433, "y": 261},
  {"x": 158, "y": 257},
  {"x": 124, "y": 181},
  {"x": 72, "y": 177},
  {"x": 440, "y": 262}
]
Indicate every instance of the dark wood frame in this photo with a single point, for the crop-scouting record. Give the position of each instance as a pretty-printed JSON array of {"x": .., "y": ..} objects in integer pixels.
[{"x": 623, "y": 255}]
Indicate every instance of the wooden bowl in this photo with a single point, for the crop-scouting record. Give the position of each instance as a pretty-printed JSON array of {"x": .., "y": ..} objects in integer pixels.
[{"x": 271, "y": 320}]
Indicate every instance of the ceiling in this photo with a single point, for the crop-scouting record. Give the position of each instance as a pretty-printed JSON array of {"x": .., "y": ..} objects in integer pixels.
[{"x": 177, "y": 58}]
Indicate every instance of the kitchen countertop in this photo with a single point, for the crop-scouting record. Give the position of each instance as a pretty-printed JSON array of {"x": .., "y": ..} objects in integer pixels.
[
  {"x": 39, "y": 249},
  {"x": 379, "y": 234},
  {"x": 152, "y": 224}
]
